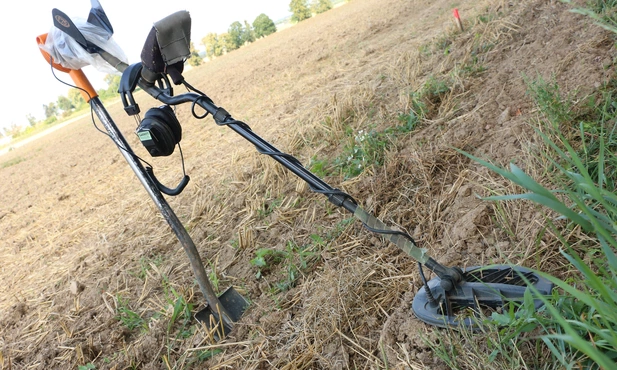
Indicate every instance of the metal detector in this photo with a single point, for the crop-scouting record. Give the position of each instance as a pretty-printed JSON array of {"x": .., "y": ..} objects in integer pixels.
[{"x": 453, "y": 298}]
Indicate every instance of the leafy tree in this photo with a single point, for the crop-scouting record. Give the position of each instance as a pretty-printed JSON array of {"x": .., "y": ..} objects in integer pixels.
[
  {"x": 65, "y": 103},
  {"x": 214, "y": 46},
  {"x": 113, "y": 83},
  {"x": 248, "y": 34},
  {"x": 31, "y": 120},
  {"x": 320, "y": 6},
  {"x": 227, "y": 42},
  {"x": 263, "y": 26},
  {"x": 300, "y": 10},
  {"x": 76, "y": 99},
  {"x": 13, "y": 130},
  {"x": 235, "y": 32},
  {"x": 51, "y": 110},
  {"x": 194, "y": 59},
  {"x": 102, "y": 93}
]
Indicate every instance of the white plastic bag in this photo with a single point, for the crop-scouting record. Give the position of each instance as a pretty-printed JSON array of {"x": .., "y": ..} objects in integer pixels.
[{"x": 68, "y": 53}]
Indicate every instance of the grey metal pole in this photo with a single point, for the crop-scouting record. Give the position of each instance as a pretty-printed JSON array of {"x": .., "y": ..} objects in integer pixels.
[{"x": 169, "y": 215}]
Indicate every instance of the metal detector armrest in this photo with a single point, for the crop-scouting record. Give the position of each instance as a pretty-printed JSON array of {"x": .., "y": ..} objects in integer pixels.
[{"x": 167, "y": 47}]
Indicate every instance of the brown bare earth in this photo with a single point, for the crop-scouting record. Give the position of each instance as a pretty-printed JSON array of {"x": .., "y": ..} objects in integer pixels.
[{"x": 82, "y": 245}]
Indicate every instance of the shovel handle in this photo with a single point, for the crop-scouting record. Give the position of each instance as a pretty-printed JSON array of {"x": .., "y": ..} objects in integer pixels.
[{"x": 77, "y": 75}]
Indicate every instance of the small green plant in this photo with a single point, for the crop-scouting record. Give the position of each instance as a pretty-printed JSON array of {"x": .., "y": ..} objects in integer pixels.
[
  {"x": 425, "y": 49},
  {"x": 129, "y": 318},
  {"x": 207, "y": 354},
  {"x": 321, "y": 168},
  {"x": 294, "y": 259},
  {"x": 318, "y": 241},
  {"x": 341, "y": 226},
  {"x": 418, "y": 106},
  {"x": 213, "y": 276},
  {"x": 88, "y": 366},
  {"x": 178, "y": 311},
  {"x": 443, "y": 44},
  {"x": 269, "y": 207},
  {"x": 145, "y": 265},
  {"x": 484, "y": 18},
  {"x": 596, "y": 129},
  {"x": 367, "y": 149},
  {"x": 201, "y": 356},
  {"x": 598, "y": 136},
  {"x": 473, "y": 67},
  {"x": 182, "y": 309},
  {"x": 556, "y": 108},
  {"x": 265, "y": 258},
  {"x": 429, "y": 96},
  {"x": 434, "y": 88},
  {"x": 408, "y": 123},
  {"x": 495, "y": 342}
]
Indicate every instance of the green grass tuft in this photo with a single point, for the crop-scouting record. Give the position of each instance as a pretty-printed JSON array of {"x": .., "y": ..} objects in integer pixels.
[
  {"x": 294, "y": 258},
  {"x": 129, "y": 318}
]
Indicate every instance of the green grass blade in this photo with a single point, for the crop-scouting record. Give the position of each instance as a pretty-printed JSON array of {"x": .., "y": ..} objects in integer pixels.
[{"x": 571, "y": 336}]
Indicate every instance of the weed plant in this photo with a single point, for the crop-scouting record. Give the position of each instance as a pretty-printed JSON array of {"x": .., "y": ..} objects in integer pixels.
[
  {"x": 548, "y": 98},
  {"x": 367, "y": 148},
  {"x": 294, "y": 258},
  {"x": 129, "y": 318},
  {"x": 181, "y": 309},
  {"x": 364, "y": 149}
]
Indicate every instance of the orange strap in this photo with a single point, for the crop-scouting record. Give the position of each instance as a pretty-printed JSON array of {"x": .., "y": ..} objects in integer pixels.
[{"x": 77, "y": 75}]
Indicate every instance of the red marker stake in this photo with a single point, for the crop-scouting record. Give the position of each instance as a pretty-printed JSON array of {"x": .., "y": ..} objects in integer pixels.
[{"x": 457, "y": 17}]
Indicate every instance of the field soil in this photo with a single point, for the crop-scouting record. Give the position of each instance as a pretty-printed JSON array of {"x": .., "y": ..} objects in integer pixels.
[{"x": 93, "y": 276}]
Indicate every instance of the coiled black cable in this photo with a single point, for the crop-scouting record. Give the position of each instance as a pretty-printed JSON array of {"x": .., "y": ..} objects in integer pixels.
[{"x": 429, "y": 294}]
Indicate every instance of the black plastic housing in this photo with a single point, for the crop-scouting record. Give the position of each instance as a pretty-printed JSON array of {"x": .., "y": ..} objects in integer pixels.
[{"x": 483, "y": 287}]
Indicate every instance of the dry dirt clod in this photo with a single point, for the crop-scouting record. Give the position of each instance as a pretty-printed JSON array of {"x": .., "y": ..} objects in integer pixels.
[
  {"x": 504, "y": 116},
  {"x": 75, "y": 287}
]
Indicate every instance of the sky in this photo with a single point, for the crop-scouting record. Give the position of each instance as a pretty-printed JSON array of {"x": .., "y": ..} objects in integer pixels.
[{"x": 28, "y": 80}]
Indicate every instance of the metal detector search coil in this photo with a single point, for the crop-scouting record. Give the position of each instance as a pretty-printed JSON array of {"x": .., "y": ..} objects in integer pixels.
[{"x": 484, "y": 288}]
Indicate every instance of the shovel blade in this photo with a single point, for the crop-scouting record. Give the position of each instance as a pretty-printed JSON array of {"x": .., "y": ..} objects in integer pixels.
[{"x": 233, "y": 302}]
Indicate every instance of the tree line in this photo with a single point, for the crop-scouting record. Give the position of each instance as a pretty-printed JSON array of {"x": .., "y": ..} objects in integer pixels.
[
  {"x": 237, "y": 35},
  {"x": 63, "y": 107},
  {"x": 304, "y": 9}
]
